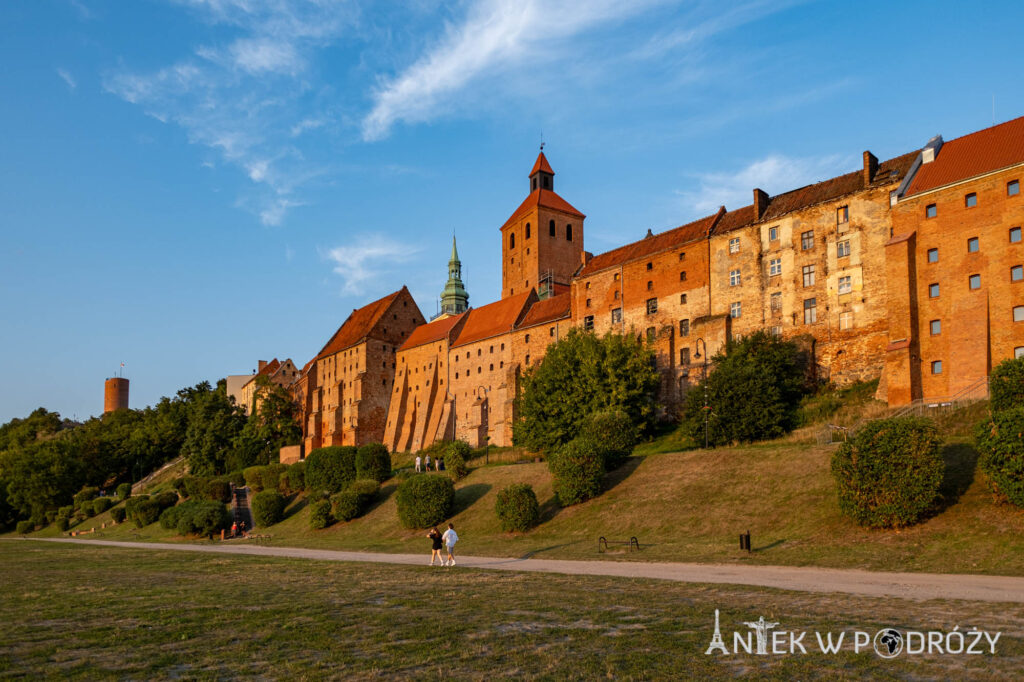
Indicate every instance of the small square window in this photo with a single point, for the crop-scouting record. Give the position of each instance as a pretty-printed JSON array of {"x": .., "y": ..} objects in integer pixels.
[
  {"x": 773, "y": 234},
  {"x": 588, "y": 302},
  {"x": 650, "y": 266},
  {"x": 1018, "y": 313},
  {"x": 1014, "y": 235},
  {"x": 616, "y": 277},
  {"x": 933, "y": 255},
  {"x": 734, "y": 278},
  {"x": 971, "y": 200},
  {"x": 776, "y": 301},
  {"x": 842, "y": 215},
  {"x": 972, "y": 245},
  {"x": 1018, "y": 352},
  {"x": 930, "y": 211},
  {"x": 682, "y": 276},
  {"x": 588, "y": 323},
  {"x": 551, "y": 332},
  {"x": 1013, "y": 188},
  {"x": 1016, "y": 273},
  {"x": 682, "y": 299},
  {"x": 652, "y": 306},
  {"x": 845, "y": 321},
  {"x": 616, "y": 295},
  {"x": 735, "y": 309},
  {"x": 936, "y": 366},
  {"x": 933, "y": 291},
  {"x": 810, "y": 311},
  {"x": 616, "y": 315},
  {"x": 807, "y": 240},
  {"x": 935, "y": 327},
  {"x": 588, "y": 285},
  {"x": 734, "y": 245},
  {"x": 684, "y": 327},
  {"x": 845, "y": 284},
  {"x": 843, "y": 249},
  {"x": 775, "y": 266},
  {"x": 975, "y": 281},
  {"x": 650, "y": 285},
  {"x": 682, "y": 255}
]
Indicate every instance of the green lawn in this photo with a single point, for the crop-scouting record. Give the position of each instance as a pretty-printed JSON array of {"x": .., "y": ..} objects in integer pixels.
[
  {"x": 691, "y": 506},
  {"x": 87, "y": 613}
]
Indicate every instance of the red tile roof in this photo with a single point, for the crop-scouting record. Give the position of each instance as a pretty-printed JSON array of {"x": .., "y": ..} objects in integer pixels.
[
  {"x": 965, "y": 157},
  {"x": 735, "y": 219},
  {"x": 889, "y": 171},
  {"x": 268, "y": 371},
  {"x": 548, "y": 310},
  {"x": 358, "y": 325},
  {"x": 698, "y": 229},
  {"x": 542, "y": 165},
  {"x": 494, "y": 318},
  {"x": 435, "y": 331},
  {"x": 545, "y": 198}
]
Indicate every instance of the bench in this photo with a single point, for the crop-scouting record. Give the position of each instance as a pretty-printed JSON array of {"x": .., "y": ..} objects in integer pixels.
[{"x": 602, "y": 544}]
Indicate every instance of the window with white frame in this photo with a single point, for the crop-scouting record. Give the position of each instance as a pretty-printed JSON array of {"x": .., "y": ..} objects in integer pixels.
[
  {"x": 776, "y": 301},
  {"x": 616, "y": 315},
  {"x": 776, "y": 331},
  {"x": 845, "y": 284},
  {"x": 652, "y": 306},
  {"x": 773, "y": 234},
  {"x": 734, "y": 278},
  {"x": 734, "y": 245},
  {"x": 843, "y": 249},
  {"x": 842, "y": 215},
  {"x": 807, "y": 240},
  {"x": 774, "y": 267},
  {"x": 810, "y": 310},
  {"x": 735, "y": 309},
  {"x": 845, "y": 321},
  {"x": 808, "y": 272},
  {"x": 1018, "y": 313}
]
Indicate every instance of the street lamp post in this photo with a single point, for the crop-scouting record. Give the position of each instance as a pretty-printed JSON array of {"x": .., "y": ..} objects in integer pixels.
[{"x": 704, "y": 377}]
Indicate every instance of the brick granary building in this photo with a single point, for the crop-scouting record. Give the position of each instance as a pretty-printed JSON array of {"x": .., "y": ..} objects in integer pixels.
[{"x": 909, "y": 269}]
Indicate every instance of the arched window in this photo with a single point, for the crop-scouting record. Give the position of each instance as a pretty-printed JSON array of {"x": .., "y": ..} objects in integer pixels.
[
  {"x": 568, "y": 232},
  {"x": 551, "y": 228},
  {"x": 527, "y": 230},
  {"x": 512, "y": 241}
]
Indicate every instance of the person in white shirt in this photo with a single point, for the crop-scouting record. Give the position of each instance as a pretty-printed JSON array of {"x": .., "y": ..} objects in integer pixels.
[
  {"x": 449, "y": 538},
  {"x": 419, "y": 463},
  {"x": 427, "y": 462}
]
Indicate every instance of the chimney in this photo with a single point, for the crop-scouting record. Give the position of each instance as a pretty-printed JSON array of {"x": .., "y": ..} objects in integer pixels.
[
  {"x": 760, "y": 203},
  {"x": 870, "y": 167},
  {"x": 931, "y": 150},
  {"x": 263, "y": 363}
]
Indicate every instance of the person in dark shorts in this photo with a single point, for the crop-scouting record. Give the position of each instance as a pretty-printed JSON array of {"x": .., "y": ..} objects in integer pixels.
[{"x": 435, "y": 547}]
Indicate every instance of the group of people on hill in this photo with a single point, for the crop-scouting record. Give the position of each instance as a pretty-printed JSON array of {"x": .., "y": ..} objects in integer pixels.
[
  {"x": 424, "y": 464},
  {"x": 444, "y": 540}
]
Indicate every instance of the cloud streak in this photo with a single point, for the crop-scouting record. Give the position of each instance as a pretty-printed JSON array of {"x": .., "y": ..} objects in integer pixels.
[
  {"x": 366, "y": 259},
  {"x": 67, "y": 78}
]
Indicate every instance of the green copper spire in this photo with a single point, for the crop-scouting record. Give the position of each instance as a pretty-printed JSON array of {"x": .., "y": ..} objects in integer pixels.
[{"x": 454, "y": 298}]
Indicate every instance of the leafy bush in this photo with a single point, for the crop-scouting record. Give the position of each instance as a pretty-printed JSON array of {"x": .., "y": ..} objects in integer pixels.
[
  {"x": 888, "y": 475},
  {"x": 218, "y": 490},
  {"x": 101, "y": 504},
  {"x": 271, "y": 476},
  {"x": 581, "y": 374},
  {"x": 196, "y": 517},
  {"x": 254, "y": 478},
  {"x": 84, "y": 495},
  {"x": 87, "y": 509},
  {"x": 238, "y": 478},
  {"x": 294, "y": 479},
  {"x": 373, "y": 462},
  {"x": 142, "y": 510},
  {"x": 267, "y": 508},
  {"x": 424, "y": 501},
  {"x": 320, "y": 514},
  {"x": 578, "y": 469},
  {"x": 124, "y": 491},
  {"x": 193, "y": 487},
  {"x": 331, "y": 468},
  {"x": 169, "y": 517},
  {"x": 167, "y": 498},
  {"x": 455, "y": 458},
  {"x": 118, "y": 514},
  {"x": 753, "y": 392},
  {"x": 25, "y": 527},
  {"x": 62, "y": 523},
  {"x": 1000, "y": 442},
  {"x": 355, "y": 500},
  {"x": 51, "y": 515},
  {"x": 517, "y": 508},
  {"x": 67, "y": 511},
  {"x": 1006, "y": 385},
  {"x": 613, "y": 434}
]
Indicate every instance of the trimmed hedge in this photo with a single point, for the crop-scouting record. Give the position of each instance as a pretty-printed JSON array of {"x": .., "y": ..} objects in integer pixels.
[
  {"x": 331, "y": 468},
  {"x": 354, "y": 500},
  {"x": 84, "y": 495},
  {"x": 517, "y": 508},
  {"x": 424, "y": 501},
  {"x": 294, "y": 479},
  {"x": 196, "y": 517},
  {"x": 1000, "y": 442},
  {"x": 25, "y": 527},
  {"x": 267, "y": 508},
  {"x": 142, "y": 510},
  {"x": 613, "y": 433},
  {"x": 62, "y": 523},
  {"x": 193, "y": 487},
  {"x": 373, "y": 462},
  {"x": 578, "y": 469},
  {"x": 124, "y": 491},
  {"x": 1006, "y": 385},
  {"x": 455, "y": 458},
  {"x": 118, "y": 514},
  {"x": 218, "y": 490},
  {"x": 888, "y": 475},
  {"x": 320, "y": 514},
  {"x": 87, "y": 509},
  {"x": 271, "y": 475},
  {"x": 254, "y": 478},
  {"x": 101, "y": 504}
]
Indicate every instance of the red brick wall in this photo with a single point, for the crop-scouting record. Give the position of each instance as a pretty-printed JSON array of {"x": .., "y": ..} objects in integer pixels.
[{"x": 523, "y": 266}]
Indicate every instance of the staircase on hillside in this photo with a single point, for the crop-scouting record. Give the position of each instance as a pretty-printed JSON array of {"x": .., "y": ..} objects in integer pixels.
[
  {"x": 833, "y": 433},
  {"x": 240, "y": 508}
]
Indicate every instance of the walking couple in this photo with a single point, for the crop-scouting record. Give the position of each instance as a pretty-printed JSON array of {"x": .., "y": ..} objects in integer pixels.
[{"x": 448, "y": 540}]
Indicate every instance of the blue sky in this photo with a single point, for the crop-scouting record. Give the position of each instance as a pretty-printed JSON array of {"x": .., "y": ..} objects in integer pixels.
[{"x": 191, "y": 185}]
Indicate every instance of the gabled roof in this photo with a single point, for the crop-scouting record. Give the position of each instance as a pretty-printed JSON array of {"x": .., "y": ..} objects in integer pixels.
[
  {"x": 358, "y": 325},
  {"x": 735, "y": 219},
  {"x": 647, "y": 246},
  {"x": 429, "y": 333},
  {"x": 975, "y": 154},
  {"x": 545, "y": 198},
  {"x": 548, "y": 310},
  {"x": 542, "y": 165},
  {"x": 268, "y": 370},
  {"x": 494, "y": 318},
  {"x": 888, "y": 172}
]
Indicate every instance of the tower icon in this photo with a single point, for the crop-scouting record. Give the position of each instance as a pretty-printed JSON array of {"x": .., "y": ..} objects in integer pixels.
[{"x": 716, "y": 640}]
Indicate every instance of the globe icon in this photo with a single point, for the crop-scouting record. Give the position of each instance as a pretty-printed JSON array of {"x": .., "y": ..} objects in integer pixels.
[{"x": 888, "y": 643}]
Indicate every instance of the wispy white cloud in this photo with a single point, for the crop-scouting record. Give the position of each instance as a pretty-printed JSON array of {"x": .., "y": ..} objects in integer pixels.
[
  {"x": 67, "y": 78},
  {"x": 774, "y": 174},
  {"x": 367, "y": 258}
]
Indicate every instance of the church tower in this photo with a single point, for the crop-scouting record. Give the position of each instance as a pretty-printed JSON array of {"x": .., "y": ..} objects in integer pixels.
[
  {"x": 542, "y": 243},
  {"x": 454, "y": 298}
]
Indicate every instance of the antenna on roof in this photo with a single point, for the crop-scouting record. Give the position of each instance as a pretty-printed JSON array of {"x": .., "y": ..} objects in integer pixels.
[{"x": 542, "y": 140}]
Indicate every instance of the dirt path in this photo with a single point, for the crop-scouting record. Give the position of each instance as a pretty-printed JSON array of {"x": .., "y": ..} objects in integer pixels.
[{"x": 806, "y": 579}]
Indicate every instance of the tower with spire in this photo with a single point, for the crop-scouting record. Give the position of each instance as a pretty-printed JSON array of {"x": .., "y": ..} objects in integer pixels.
[{"x": 454, "y": 298}]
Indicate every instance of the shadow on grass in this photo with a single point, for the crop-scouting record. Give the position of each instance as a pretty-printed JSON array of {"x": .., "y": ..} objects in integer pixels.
[
  {"x": 617, "y": 476},
  {"x": 765, "y": 548},
  {"x": 535, "y": 552},
  {"x": 386, "y": 491},
  {"x": 961, "y": 462},
  {"x": 291, "y": 508},
  {"x": 466, "y": 497},
  {"x": 548, "y": 510}
]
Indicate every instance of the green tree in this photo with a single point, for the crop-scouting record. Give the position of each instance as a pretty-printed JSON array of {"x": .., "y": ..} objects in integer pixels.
[
  {"x": 753, "y": 392},
  {"x": 581, "y": 374},
  {"x": 1006, "y": 385},
  {"x": 41, "y": 476},
  {"x": 273, "y": 424},
  {"x": 214, "y": 424}
]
